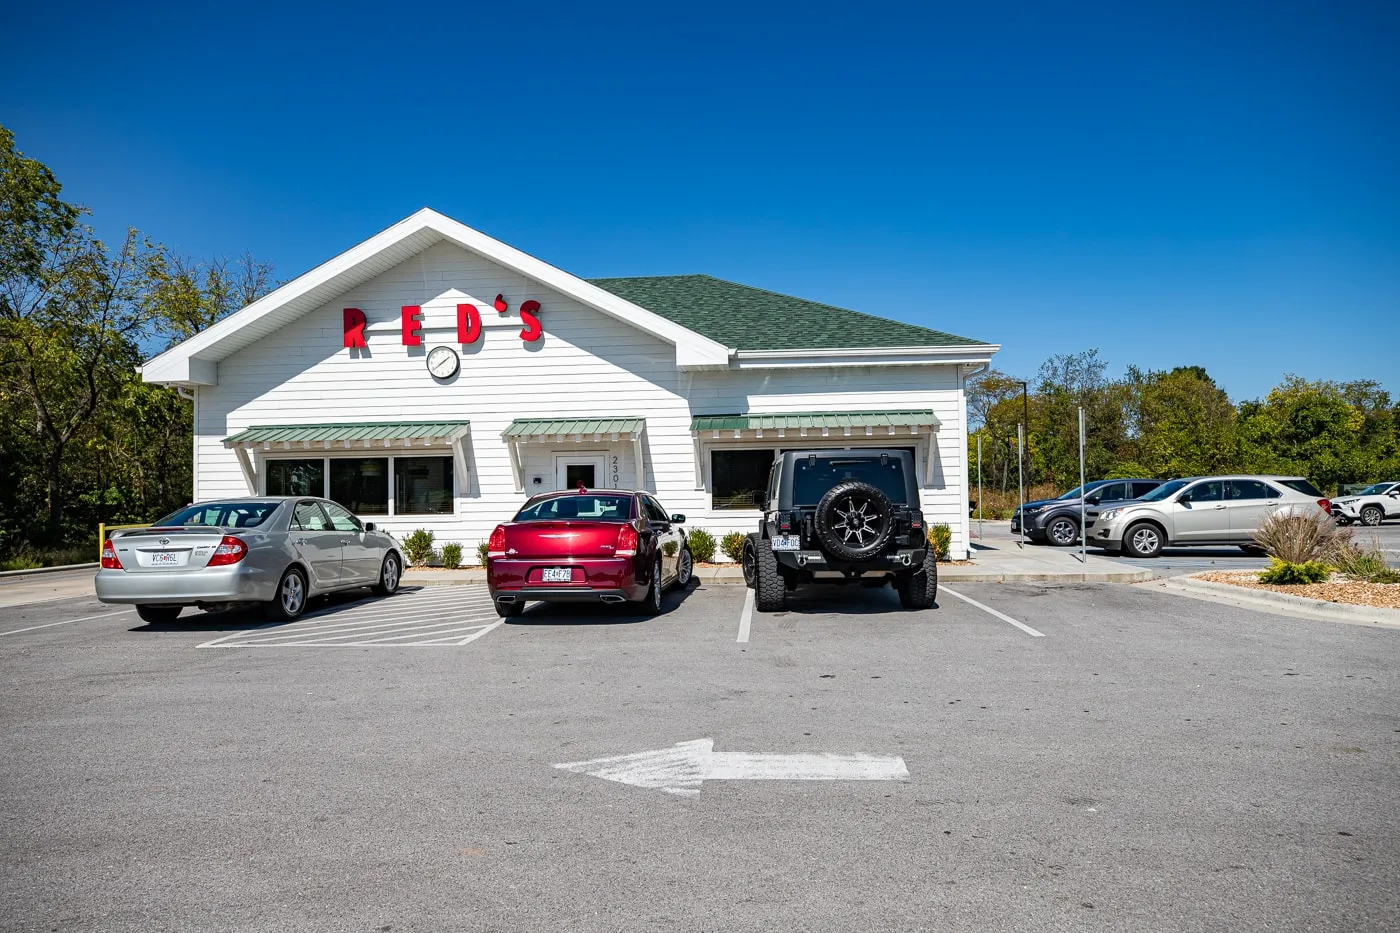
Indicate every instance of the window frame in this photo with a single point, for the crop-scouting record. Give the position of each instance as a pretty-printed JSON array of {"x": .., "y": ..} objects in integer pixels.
[
  {"x": 917, "y": 444},
  {"x": 368, "y": 453}
]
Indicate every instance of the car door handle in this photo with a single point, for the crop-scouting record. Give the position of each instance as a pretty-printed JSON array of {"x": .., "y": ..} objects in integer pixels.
[{"x": 1220, "y": 506}]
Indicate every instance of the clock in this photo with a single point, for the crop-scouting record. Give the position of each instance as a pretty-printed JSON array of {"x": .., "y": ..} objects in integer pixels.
[{"x": 443, "y": 363}]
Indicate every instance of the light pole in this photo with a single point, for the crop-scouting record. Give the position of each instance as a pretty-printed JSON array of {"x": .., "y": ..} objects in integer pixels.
[{"x": 1026, "y": 420}]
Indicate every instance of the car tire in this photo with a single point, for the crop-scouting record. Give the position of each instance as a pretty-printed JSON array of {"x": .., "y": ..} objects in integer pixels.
[
  {"x": 1062, "y": 532},
  {"x": 651, "y": 602},
  {"x": 1254, "y": 550},
  {"x": 919, "y": 590},
  {"x": 509, "y": 610},
  {"x": 1372, "y": 515},
  {"x": 749, "y": 557},
  {"x": 833, "y": 527},
  {"x": 390, "y": 573},
  {"x": 770, "y": 589},
  {"x": 1143, "y": 540},
  {"x": 1343, "y": 520},
  {"x": 158, "y": 615},
  {"x": 290, "y": 601},
  {"x": 685, "y": 568}
]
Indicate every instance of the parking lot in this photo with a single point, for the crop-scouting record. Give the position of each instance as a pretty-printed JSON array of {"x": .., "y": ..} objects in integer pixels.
[{"x": 1021, "y": 757}]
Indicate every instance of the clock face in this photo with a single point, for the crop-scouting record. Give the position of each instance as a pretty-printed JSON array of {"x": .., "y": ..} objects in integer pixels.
[{"x": 443, "y": 363}]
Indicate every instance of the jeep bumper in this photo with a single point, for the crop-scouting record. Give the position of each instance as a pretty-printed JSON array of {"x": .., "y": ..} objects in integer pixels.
[{"x": 815, "y": 561}]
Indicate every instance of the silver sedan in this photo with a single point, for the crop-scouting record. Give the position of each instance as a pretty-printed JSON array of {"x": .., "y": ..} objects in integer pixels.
[{"x": 275, "y": 550}]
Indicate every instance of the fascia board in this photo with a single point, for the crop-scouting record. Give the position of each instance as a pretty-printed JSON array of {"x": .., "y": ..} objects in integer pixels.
[{"x": 892, "y": 356}]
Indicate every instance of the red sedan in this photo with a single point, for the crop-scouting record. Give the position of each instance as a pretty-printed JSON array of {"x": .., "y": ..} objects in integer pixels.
[{"x": 587, "y": 546}]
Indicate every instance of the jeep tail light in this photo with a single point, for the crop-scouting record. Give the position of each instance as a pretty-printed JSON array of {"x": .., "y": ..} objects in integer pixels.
[
  {"x": 626, "y": 542},
  {"x": 1326, "y": 505},
  {"x": 230, "y": 551},
  {"x": 109, "y": 557},
  {"x": 496, "y": 544}
]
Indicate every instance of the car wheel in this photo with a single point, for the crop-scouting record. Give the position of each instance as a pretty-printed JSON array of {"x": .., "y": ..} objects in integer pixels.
[
  {"x": 290, "y": 601},
  {"x": 388, "y": 583},
  {"x": 748, "y": 558},
  {"x": 651, "y": 603},
  {"x": 509, "y": 610},
  {"x": 158, "y": 615},
  {"x": 770, "y": 589},
  {"x": 919, "y": 590},
  {"x": 1062, "y": 532},
  {"x": 1343, "y": 520},
  {"x": 685, "y": 567},
  {"x": 1371, "y": 515},
  {"x": 1143, "y": 540}
]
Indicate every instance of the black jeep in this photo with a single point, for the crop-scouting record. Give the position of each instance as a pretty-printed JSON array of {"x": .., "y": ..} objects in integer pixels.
[{"x": 841, "y": 516}]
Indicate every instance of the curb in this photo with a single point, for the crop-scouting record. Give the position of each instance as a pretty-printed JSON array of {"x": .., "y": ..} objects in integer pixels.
[
  {"x": 38, "y": 570},
  {"x": 731, "y": 574},
  {"x": 1269, "y": 601}
]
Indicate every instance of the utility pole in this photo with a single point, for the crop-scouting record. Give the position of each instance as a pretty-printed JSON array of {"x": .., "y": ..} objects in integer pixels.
[{"x": 1026, "y": 420}]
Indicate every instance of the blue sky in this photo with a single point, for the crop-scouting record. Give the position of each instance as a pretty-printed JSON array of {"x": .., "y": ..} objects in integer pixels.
[{"x": 1206, "y": 183}]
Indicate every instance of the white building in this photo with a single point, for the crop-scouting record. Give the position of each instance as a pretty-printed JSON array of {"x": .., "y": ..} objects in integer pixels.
[{"x": 388, "y": 379}]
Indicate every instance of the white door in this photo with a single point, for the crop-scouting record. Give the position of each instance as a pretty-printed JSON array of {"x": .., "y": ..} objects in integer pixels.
[{"x": 586, "y": 469}]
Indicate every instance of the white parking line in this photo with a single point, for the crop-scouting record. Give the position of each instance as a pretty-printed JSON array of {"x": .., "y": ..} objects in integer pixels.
[
  {"x": 103, "y": 615},
  {"x": 990, "y": 611},
  {"x": 746, "y": 617}
]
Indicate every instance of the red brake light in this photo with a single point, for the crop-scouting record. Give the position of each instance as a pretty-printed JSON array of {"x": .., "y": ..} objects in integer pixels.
[
  {"x": 626, "y": 542},
  {"x": 109, "y": 557},
  {"x": 230, "y": 551},
  {"x": 496, "y": 544},
  {"x": 1326, "y": 505}
]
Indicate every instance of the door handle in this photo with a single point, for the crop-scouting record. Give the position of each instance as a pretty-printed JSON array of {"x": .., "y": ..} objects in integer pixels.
[{"x": 1220, "y": 506}]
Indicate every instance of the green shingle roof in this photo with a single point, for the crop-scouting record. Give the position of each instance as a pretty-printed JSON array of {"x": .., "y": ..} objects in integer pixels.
[
  {"x": 792, "y": 421},
  {"x": 748, "y": 318},
  {"x": 359, "y": 431},
  {"x": 527, "y": 428}
]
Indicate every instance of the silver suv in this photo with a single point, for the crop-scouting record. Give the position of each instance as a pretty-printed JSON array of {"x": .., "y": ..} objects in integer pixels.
[{"x": 1211, "y": 510}]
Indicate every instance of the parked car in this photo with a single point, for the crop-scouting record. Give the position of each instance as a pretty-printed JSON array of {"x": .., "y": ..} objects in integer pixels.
[
  {"x": 1370, "y": 506},
  {"x": 587, "y": 546},
  {"x": 1201, "y": 510},
  {"x": 275, "y": 550},
  {"x": 1056, "y": 521},
  {"x": 841, "y": 516}
]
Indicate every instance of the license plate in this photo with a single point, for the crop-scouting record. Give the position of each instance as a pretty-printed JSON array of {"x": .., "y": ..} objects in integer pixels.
[
  {"x": 165, "y": 559},
  {"x": 558, "y": 575},
  {"x": 787, "y": 543}
]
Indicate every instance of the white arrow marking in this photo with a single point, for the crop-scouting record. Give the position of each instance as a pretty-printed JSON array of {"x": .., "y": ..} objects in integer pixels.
[{"x": 683, "y": 767}]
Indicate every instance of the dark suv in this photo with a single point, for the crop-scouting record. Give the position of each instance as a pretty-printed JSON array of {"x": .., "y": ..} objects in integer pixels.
[
  {"x": 1056, "y": 521},
  {"x": 841, "y": 516}
]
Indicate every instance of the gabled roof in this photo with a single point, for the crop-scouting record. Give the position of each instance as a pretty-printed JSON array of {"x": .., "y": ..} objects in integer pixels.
[
  {"x": 748, "y": 318},
  {"x": 713, "y": 324}
]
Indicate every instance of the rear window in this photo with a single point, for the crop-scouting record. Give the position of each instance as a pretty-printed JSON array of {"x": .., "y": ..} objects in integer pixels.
[
  {"x": 812, "y": 477},
  {"x": 222, "y": 514},
  {"x": 588, "y": 507},
  {"x": 1303, "y": 486}
]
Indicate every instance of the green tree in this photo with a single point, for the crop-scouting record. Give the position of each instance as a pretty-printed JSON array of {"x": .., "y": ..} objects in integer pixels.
[
  {"x": 1182, "y": 422},
  {"x": 1307, "y": 428}
]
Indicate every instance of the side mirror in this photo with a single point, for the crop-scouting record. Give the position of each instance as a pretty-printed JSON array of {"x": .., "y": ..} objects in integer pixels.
[
  {"x": 369, "y": 526},
  {"x": 1184, "y": 498},
  {"x": 678, "y": 519},
  {"x": 1093, "y": 500}
]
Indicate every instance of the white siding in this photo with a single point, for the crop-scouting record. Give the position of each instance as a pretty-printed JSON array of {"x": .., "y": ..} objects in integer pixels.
[{"x": 586, "y": 365}]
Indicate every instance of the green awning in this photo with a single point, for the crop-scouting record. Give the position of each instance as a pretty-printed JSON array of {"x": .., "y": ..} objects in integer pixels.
[
  {"x": 844, "y": 422},
  {"x": 543, "y": 429},
  {"x": 363, "y": 432}
]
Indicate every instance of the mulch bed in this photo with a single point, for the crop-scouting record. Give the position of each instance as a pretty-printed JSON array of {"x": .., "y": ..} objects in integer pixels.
[{"x": 1340, "y": 590}]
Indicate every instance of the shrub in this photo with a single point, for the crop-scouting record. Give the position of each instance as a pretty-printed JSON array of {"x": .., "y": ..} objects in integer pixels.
[
  {"x": 1365, "y": 564},
  {"x": 1286, "y": 573},
  {"x": 20, "y": 562},
  {"x": 940, "y": 538},
  {"x": 481, "y": 553},
  {"x": 418, "y": 547},
  {"x": 733, "y": 545},
  {"x": 702, "y": 545},
  {"x": 1299, "y": 538},
  {"x": 452, "y": 556}
]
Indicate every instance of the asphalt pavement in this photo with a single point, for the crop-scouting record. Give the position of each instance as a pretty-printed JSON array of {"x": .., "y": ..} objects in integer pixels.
[{"x": 1078, "y": 757}]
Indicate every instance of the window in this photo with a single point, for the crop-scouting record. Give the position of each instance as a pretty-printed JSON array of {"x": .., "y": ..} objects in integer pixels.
[
  {"x": 813, "y": 476},
  {"x": 423, "y": 486},
  {"x": 738, "y": 478},
  {"x": 221, "y": 515},
  {"x": 361, "y": 485},
  {"x": 341, "y": 520},
  {"x": 1303, "y": 486},
  {"x": 587, "y": 506},
  {"x": 296, "y": 477},
  {"x": 1248, "y": 489},
  {"x": 1210, "y": 491},
  {"x": 1142, "y": 489},
  {"x": 1112, "y": 492},
  {"x": 309, "y": 517},
  {"x": 654, "y": 510}
]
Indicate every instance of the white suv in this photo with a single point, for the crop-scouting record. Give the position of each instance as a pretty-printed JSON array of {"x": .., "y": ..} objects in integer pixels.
[
  {"x": 1210, "y": 510},
  {"x": 1370, "y": 506}
]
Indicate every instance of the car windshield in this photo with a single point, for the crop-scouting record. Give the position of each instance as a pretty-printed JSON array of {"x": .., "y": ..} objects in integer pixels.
[
  {"x": 585, "y": 506},
  {"x": 1165, "y": 490},
  {"x": 221, "y": 515},
  {"x": 813, "y": 476},
  {"x": 1376, "y": 490},
  {"x": 1075, "y": 493}
]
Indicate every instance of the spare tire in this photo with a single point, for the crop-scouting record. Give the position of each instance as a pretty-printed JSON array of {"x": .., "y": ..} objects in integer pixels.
[{"x": 853, "y": 521}]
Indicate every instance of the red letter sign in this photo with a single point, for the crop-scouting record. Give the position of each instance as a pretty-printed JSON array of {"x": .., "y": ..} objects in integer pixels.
[
  {"x": 532, "y": 330},
  {"x": 412, "y": 326},
  {"x": 468, "y": 323},
  {"x": 501, "y": 304},
  {"x": 355, "y": 328}
]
